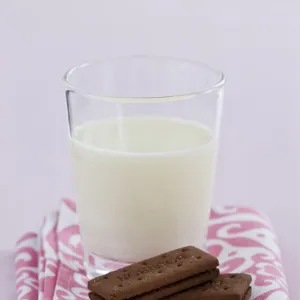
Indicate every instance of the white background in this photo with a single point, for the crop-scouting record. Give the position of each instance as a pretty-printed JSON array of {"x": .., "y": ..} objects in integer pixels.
[{"x": 256, "y": 43}]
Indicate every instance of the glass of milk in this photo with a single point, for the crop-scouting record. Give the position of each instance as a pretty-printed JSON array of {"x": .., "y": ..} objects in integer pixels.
[{"x": 144, "y": 138}]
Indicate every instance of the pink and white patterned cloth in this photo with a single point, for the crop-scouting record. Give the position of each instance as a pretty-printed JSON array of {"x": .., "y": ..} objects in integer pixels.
[{"x": 49, "y": 264}]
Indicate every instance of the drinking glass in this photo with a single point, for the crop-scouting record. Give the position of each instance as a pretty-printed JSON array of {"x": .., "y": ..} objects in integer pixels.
[{"x": 144, "y": 136}]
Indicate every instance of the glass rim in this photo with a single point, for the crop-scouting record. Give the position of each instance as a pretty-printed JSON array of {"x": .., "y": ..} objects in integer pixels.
[{"x": 217, "y": 85}]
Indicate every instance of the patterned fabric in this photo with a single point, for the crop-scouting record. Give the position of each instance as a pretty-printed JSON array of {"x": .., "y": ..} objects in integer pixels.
[{"x": 49, "y": 264}]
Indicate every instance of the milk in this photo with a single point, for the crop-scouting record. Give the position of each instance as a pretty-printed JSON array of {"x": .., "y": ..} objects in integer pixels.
[{"x": 143, "y": 185}]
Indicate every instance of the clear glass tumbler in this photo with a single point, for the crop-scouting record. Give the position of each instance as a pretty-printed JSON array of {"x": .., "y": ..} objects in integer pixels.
[{"x": 144, "y": 138}]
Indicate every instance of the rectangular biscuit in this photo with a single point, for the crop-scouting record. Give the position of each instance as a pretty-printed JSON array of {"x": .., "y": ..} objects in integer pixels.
[
  {"x": 225, "y": 287},
  {"x": 94, "y": 296},
  {"x": 246, "y": 297},
  {"x": 153, "y": 273},
  {"x": 172, "y": 288}
]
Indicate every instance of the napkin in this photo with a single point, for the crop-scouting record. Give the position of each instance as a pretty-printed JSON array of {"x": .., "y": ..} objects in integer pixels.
[{"x": 49, "y": 264}]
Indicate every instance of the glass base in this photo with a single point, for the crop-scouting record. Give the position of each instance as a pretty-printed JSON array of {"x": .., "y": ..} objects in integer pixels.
[
  {"x": 92, "y": 272},
  {"x": 97, "y": 266}
]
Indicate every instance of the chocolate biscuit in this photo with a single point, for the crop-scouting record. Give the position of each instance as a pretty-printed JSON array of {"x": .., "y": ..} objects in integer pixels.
[
  {"x": 94, "y": 296},
  {"x": 153, "y": 274},
  {"x": 172, "y": 288},
  {"x": 225, "y": 287}
]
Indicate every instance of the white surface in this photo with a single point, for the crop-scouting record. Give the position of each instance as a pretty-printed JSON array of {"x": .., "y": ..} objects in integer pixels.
[
  {"x": 256, "y": 43},
  {"x": 7, "y": 275}
]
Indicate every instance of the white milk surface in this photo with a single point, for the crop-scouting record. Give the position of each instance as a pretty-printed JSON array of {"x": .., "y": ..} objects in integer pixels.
[{"x": 143, "y": 185}]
